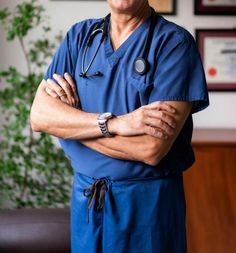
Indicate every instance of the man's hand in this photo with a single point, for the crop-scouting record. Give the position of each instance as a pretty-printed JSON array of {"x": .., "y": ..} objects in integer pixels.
[
  {"x": 154, "y": 119},
  {"x": 66, "y": 90}
]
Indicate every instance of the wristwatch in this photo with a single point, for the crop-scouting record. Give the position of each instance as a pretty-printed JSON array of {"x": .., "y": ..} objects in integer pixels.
[{"x": 102, "y": 122}]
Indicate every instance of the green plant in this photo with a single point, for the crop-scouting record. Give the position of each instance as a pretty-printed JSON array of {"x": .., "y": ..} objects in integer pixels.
[{"x": 33, "y": 171}]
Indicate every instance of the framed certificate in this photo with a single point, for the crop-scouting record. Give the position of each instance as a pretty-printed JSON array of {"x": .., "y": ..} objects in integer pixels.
[
  {"x": 165, "y": 7},
  {"x": 215, "y": 7},
  {"x": 218, "y": 53}
]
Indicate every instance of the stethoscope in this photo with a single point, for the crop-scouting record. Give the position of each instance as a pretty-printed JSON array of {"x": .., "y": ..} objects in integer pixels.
[{"x": 140, "y": 65}]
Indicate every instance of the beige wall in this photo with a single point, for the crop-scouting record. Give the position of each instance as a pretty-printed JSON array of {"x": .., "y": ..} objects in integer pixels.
[{"x": 63, "y": 14}]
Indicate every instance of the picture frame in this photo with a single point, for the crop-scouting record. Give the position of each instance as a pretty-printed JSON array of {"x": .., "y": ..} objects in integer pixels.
[
  {"x": 78, "y": 0},
  {"x": 164, "y": 7},
  {"x": 217, "y": 48},
  {"x": 215, "y": 7}
]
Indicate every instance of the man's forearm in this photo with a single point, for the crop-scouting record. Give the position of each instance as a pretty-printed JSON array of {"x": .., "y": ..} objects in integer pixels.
[
  {"x": 145, "y": 148},
  {"x": 136, "y": 132},
  {"x": 136, "y": 148},
  {"x": 57, "y": 118}
]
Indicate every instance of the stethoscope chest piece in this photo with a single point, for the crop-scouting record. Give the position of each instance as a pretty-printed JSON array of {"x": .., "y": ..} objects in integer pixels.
[{"x": 140, "y": 66}]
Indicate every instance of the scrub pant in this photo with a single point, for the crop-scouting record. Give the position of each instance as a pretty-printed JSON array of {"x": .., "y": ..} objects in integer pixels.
[{"x": 128, "y": 216}]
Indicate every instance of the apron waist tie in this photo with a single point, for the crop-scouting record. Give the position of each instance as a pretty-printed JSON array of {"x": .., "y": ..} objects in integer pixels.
[{"x": 96, "y": 191}]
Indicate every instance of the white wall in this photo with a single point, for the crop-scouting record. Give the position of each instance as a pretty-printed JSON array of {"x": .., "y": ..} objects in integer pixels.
[{"x": 221, "y": 113}]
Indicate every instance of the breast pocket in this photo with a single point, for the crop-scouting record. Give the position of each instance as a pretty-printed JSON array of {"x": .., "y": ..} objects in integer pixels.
[{"x": 144, "y": 86}]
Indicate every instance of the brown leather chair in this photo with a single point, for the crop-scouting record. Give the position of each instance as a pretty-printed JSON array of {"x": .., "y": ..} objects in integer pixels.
[{"x": 35, "y": 230}]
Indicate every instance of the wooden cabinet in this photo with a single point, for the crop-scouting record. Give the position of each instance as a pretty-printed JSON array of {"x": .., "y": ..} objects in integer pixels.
[{"x": 210, "y": 188}]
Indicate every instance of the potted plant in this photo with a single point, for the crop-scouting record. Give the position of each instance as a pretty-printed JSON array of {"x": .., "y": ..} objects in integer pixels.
[{"x": 33, "y": 170}]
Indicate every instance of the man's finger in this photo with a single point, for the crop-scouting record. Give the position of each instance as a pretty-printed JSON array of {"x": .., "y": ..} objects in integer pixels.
[
  {"x": 159, "y": 105},
  {"x": 51, "y": 93},
  {"x": 155, "y": 132},
  {"x": 54, "y": 86},
  {"x": 159, "y": 124},
  {"x": 70, "y": 80},
  {"x": 153, "y": 114},
  {"x": 66, "y": 87},
  {"x": 56, "y": 91}
]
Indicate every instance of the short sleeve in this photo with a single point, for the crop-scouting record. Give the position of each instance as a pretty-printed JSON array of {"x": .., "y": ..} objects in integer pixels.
[
  {"x": 180, "y": 74},
  {"x": 62, "y": 60}
]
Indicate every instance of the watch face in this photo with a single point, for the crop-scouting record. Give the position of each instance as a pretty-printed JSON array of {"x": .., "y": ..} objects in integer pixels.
[
  {"x": 105, "y": 116},
  {"x": 102, "y": 118}
]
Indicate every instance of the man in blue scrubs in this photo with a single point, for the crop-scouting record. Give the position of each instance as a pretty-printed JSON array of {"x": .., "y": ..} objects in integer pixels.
[{"x": 128, "y": 135}]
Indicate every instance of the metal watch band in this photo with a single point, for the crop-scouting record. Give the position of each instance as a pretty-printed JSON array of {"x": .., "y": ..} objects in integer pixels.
[
  {"x": 104, "y": 130},
  {"x": 102, "y": 122}
]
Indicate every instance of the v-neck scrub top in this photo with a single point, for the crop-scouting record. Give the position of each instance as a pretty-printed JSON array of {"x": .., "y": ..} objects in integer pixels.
[{"x": 175, "y": 74}]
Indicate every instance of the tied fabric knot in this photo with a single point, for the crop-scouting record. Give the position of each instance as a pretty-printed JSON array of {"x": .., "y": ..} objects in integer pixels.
[{"x": 99, "y": 187}]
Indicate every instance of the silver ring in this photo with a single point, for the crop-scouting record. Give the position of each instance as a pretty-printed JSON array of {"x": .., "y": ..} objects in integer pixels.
[{"x": 62, "y": 95}]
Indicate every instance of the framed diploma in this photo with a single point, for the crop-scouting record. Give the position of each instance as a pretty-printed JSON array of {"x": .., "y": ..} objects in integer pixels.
[
  {"x": 165, "y": 7},
  {"x": 215, "y": 7},
  {"x": 218, "y": 52}
]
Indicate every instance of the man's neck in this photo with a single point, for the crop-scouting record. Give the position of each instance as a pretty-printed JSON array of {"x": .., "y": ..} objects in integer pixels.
[{"x": 123, "y": 24}]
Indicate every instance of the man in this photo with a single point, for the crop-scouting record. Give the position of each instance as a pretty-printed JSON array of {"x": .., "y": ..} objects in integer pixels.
[{"x": 123, "y": 113}]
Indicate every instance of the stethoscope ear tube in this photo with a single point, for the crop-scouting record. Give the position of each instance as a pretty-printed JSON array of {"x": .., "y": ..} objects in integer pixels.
[
  {"x": 141, "y": 65},
  {"x": 92, "y": 35},
  {"x": 84, "y": 72}
]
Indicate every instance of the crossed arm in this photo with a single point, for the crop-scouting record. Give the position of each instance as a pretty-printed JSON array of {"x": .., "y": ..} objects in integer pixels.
[{"x": 144, "y": 135}]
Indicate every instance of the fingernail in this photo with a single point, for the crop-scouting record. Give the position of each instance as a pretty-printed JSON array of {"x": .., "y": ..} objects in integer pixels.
[{"x": 66, "y": 74}]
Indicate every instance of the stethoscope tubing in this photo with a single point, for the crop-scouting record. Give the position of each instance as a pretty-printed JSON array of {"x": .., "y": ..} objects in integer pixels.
[
  {"x": 84, "y": 72},
  {"x": 140, "y": 64}
]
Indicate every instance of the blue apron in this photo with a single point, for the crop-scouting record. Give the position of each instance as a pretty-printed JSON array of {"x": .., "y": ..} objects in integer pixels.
[{"x": 128, "y": 216}]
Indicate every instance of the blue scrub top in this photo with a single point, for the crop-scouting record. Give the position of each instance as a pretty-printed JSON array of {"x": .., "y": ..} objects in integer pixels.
[{"x": 175, "y": 74}]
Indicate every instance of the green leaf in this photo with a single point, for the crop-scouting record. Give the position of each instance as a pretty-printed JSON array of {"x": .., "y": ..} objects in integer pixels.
[
  {"x": 33, "y": 171},
  {"x": 4, "y": 13}
]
